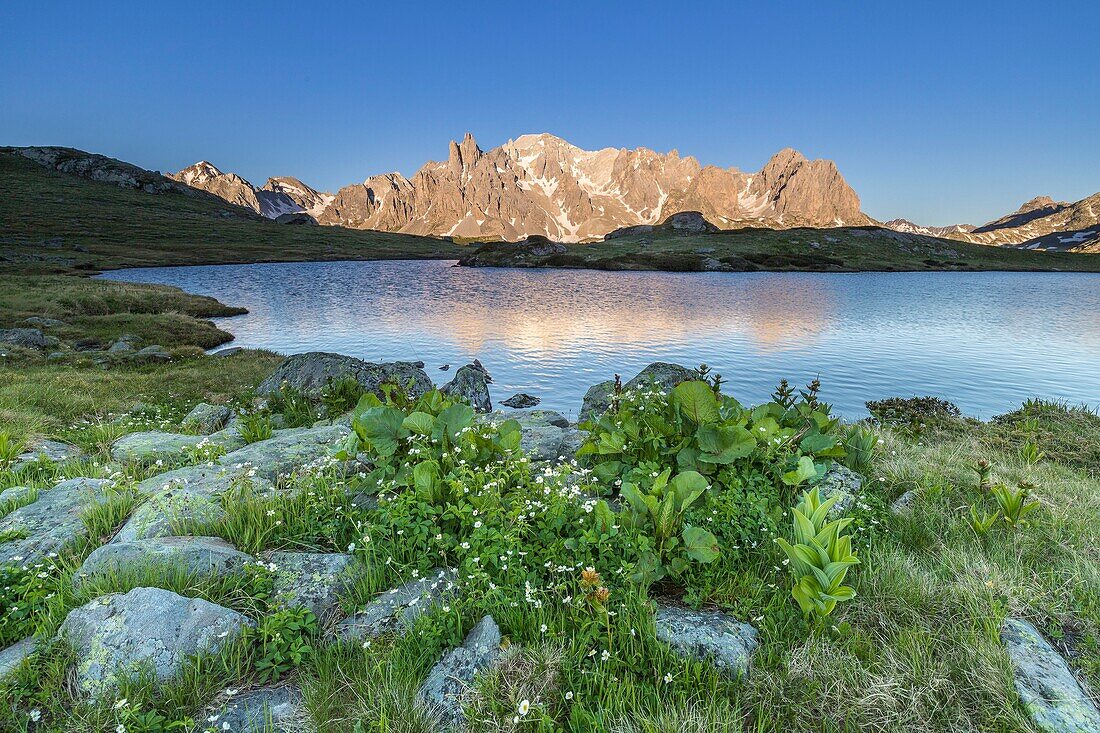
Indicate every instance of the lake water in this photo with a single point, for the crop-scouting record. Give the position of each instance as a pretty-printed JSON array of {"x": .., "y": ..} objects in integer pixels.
[{"x": 986, "y": 341}]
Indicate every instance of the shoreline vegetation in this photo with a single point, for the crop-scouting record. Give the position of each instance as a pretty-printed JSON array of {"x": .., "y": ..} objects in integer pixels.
[{"x": 360, "y": 542}]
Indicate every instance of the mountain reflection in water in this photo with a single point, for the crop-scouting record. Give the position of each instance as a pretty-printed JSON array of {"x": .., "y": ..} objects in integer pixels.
[{"x": 984, "y": 340}]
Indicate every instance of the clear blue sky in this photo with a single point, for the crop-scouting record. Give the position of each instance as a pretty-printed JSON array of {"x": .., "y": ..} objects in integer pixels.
[{"x": 937, "y": 112}]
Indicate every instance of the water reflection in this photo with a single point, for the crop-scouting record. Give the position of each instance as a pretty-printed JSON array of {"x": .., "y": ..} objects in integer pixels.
[{"x": 986, "y": 340}]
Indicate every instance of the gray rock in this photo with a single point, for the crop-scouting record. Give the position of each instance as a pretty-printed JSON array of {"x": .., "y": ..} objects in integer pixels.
[
  {"x": 1048, "y": 690},
  {"x": 843, "y": 483},
  {"x": 205, "y": 418},
  {"x": 312, "y": 580},
  {"x": 15, "y": 495},
  {"x": 521, "y": 400},
  {"x": 49, "y": 450},
  {"x": 13, "y": 656},
  {"x": 43, "y": 322},
  {"x": 52, "y": 521},
  {"x": 145, "y": 630},
  {"x": 264, "y": 710},
  {"x": 151, "y": 354},
  {"x": 659, "y": 374},
  {"x": 710, "y": 635},
  {"x": 151, "y": 445},
  {"x": 397, "y": 609},
  {"x": 310, "y": 372},
  {"x": 120, "y": 347},
  {"x": 444, "y": 690},
  {"x": 903, "y": 505},
  {"x": 544, "y": 432},
  {"x": 471, "y": 383},
  {"x": 221, "y": 354},
  {"x": 572, "y": 442},
  {"x": 287, "y": 450},
  {"x": 197, "y": 556},
  {"x": 28, "y": 338}
]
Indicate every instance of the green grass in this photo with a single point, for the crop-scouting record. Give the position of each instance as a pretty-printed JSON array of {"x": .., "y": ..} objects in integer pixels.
[{"x": 844, "y": 249}]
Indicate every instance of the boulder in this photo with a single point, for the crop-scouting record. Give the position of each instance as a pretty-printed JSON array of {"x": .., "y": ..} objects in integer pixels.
[
  {"x": 310, "y": 372},
  {"x": 447, "y": 685},
  {"x": 148, "y": 446},
  {"x": 903, "y": 505},
  {"x": 544, "y": 432},
  {"x": 49, "y": 450},
  {"x": 710, "y": 635},
  {"x": 15, "y": 495},
  {"x": 196, "y": 556},
  {"x": 13, "y": 656},
  {"x": 659, "y": 374},
  {"x": 843, "y": 483},
  {"x": 397, "y": 609},
  {"x": 1047, "y": 688},
  {"x": 121, "y": 347},
  {"x": 206, "y": 418},
  {"x": 471, "y": 383},
  {"x": 288, "y": 450},
  {"x": 51, "y": 521},
  {"x": 263, "y": 710},
  {"x": 43, "y": 322},
  {"x": 147, "y": 630},
  {"x": 521, "y": 401},
  {"x": 151, "y": 355},
  {"x": 298, "y": 219},
  {"x": 312, "y": 580},
  {"x": 28, "y": 338},
  {"x": 230, "y": 351}
]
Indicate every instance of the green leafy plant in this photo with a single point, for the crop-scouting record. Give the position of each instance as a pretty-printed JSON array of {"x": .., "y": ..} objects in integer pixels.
[
  {"x": 132, "y": 719},
  {"x": 859, "y": 445},
  {"x": 295, "y": 407},
  {"x": 819, "y": 557},
  {"x": 1029, "y": 451},
  {"x": 282, "y": 641},
  {"x": 255, "y": 426},
  {"x": 667, "y": 543},
  {"x": 341, "y": 395},
  {"x": 1015, "y": 503},
  {"x": 984, "y": 469},
  {"x": 982, "y": 521}
]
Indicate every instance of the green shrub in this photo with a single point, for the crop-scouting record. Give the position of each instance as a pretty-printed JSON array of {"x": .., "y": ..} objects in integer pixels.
[
  {"x": 820, "y": 556},
  {"x": 255, "y": 426},
  {"x": 341, "y": 395},
  {"x": 282, "y": 642}
]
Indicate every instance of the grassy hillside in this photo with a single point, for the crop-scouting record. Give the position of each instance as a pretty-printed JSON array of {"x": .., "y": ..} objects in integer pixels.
[
  {"x": 847, "y": 249},
  {"x": 57, "y": 221}
]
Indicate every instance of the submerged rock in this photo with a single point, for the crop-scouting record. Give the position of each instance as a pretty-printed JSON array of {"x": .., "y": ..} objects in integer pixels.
[
  {"x": 471, "y": 383},
  {"x": 447, "y": 685},
  {"x": 397, "y": 609},
  {"x": 205, "y": 418},
  {"x": 711, "y": 635},
  {"x": 196, "y": 556},
  {"x": 312, "y": 580},
  {"x": 52, "y": 521},
  {"x": 309, "y": 373},
  {"x": 521, "y": 400},
  {"x": 1048, "y": 690},
  {"x": 148, "y": 630}
]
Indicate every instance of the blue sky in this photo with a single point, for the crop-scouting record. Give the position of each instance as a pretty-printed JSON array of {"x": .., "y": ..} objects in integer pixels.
[{"x": 936, "y": 112}]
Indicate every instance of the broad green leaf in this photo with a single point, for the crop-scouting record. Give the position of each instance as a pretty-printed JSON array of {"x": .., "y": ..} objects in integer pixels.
[
  {"x": 420, "y": 423},
  {"x": 724, "y": 444},
  {"x": 700, "y": 545},
  {"x": 804, "y": 471},
  {"x": 695, "y": 400},
  {"x": 382, "y": 429}
]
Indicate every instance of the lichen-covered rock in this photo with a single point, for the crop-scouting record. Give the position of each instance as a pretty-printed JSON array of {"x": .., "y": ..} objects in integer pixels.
[
  {"x": 16, "y": 495},
  {"x": 711, "y": 635},
  {"x": 28, "y": 338},
  {"x": 52, "y": 520},
  {"x": 903, "y": 505},
  {"x": 149, "y": 446},
  {"x": 471, "y": 383},
  {"x": 521, "y": 401},
  {"x": 544, "y": 432},
  {"x": 197, "y": 556},
  {"x": 151, "y": 354},
  {"x": 205, "y": 418},
  {"x": 47, "y": 450},
  {"x": 12, "y": 656},
  {"x": 843, "y": 483},
  {"x": 397, "y": 609},
  {"x": 288, "y": 450},
  {"x": 448, "y": 683},
  {"x": 1048, "y": 690},
  {"x": 43, "y": 322},
  {"x": 147, "y": 630},
  {"x": 661, "y": 375},
  {"x": 263, "y": 710},
  {"x": 311, "y": 372},
  {"x": 312, "y": 580}
]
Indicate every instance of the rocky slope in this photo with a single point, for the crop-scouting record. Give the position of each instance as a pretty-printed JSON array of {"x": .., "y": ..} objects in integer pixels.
[
  {"x": 542, "y": 185},
  {"x": 1041, "y": 223}
]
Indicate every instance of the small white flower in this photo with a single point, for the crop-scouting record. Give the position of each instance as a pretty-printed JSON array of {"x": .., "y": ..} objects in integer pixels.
[
  {"x": 36, "y": 715},
  {"x": 524, "y": 707},
  {"x": 668, "y": 678}
]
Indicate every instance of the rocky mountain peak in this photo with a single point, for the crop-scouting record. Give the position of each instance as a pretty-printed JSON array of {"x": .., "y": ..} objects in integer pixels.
[
  {"x": 198, "y": 174},
  {"x": 463, "y": 156},
  {"x": 1039, "y": 202}
]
